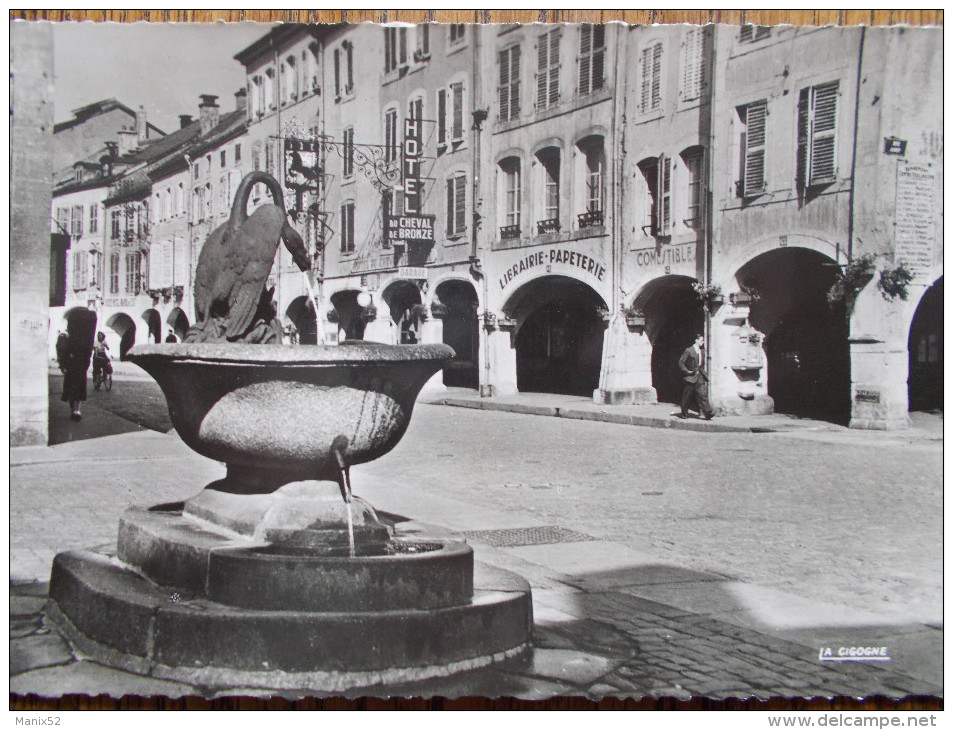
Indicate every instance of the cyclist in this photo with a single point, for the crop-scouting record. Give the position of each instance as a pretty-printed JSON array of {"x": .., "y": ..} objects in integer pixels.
[{"x": 101, "y": 364}]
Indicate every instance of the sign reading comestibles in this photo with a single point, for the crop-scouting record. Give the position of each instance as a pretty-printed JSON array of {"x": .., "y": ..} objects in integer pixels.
[{"x": 557, "y": 255}]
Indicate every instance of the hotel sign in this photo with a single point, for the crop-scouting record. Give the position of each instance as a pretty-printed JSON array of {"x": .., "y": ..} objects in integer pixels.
[
  {"x": 413, "y": 151},
  {"x": 404, "y": 228}
]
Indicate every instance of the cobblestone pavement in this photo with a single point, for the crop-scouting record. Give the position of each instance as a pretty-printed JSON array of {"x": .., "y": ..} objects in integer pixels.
[{"x": 663, "y": 563}]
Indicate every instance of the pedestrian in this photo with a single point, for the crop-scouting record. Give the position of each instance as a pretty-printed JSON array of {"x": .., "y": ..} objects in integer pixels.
[
  {"x": 171, "y": 336},
  {"x": 62, "y": 349},
  {"x": 74, "y": 362},
  {"x": 692, "y": 366}
]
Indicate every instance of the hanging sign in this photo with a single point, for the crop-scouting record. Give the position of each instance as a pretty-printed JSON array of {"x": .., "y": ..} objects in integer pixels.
[
  {"x": 302, "y": 170},
  {"x": 413, "y": 228}
]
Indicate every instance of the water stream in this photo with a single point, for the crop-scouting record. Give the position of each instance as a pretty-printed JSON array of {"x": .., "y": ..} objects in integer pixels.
[
  {"x": 313, "y": 296},
  {"x": 350, "y": 529}
]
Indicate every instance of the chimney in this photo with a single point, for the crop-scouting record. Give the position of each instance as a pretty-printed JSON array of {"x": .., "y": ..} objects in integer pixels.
[
  {"x": 208, "y": 112},
  {"x": 127, "y": 140},
  {"x": 184, "y": 120},
  {"x": 142, "y": 129},
  {"x": 241, "y": 100}
]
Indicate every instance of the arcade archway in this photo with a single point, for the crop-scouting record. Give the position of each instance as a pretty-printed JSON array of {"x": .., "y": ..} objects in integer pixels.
[
  {"x": 124, "y": 326},
  {"x": 349, "y": 315},
  {"x": 559, "y": 335},
  {"x": 154, "y": 324},
  {"x": 674, "y": 315},
  {"x": 406, "y": 310},
  {"x": 179, "y": 322},
  {"x": 457, "y": 304},
  {"x": 806, "y": 337},
  {"x": 925, "y": 346},
  {"x": 301, "y": 314}
]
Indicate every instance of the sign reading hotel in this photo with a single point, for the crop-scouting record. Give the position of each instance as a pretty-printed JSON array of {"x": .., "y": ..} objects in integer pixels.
[
  {"x": 413, "y": 225},
  {"x": 546, "y": 258}
]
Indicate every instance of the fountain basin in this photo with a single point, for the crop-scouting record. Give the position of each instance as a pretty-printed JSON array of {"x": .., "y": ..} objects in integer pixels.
[{"x": 272, "y": 413}]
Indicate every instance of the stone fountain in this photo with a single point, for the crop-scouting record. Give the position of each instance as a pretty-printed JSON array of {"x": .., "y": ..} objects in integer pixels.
[{"x": 276, "y": 575}]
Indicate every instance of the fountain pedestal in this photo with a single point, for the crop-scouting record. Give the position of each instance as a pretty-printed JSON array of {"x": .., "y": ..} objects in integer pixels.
[{"x": 252, "y": 583}]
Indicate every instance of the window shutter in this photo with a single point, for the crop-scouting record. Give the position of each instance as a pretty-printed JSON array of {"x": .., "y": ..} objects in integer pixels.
[
  {"x": 646, "y": 86},
  {"x": 693, "y": 64},
  {"x": 585, "y": 59},
  {"x": 657, "y": 76},
  {"x": 824, "y": 123},
  {"x": 598, "y": 56},
  {"x": 755, "y": 117},
  {"x": 663, "y": 197},
  {"x": 542, "y": 64},
  {"x": 504, "y": 84},
  {"x": 514, "y": 82},
  {"x": 442, "y": 117},
  {"x": 460, "y": 213},
  {"x": 403, "y": 46},
  {"x": 457, "y": 131},
  {"x": 553, "y": 67},
  {"x": 803, "y": 143}
]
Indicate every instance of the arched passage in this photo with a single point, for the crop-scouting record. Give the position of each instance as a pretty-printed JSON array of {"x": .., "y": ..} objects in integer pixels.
[
  {"x": 178, "y": 320},
  {"x": 558, "y": 337},
  {"x": 124, "y": 326},
  {"x": 805, "y": 335},
  {"x": 457, "y": 304},
  {"x": 153, "y": 324},
  {"x": 301, "y": 314},
  {"x": 406, "y": 310},
  {"x": 673, "y": 315},
  {"x": 925, "y": 347},
  {"x": 349, "y": 314}
]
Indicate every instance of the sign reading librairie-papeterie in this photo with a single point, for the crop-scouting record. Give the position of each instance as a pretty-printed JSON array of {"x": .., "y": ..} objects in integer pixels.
[{"x": 404, "y": 228}]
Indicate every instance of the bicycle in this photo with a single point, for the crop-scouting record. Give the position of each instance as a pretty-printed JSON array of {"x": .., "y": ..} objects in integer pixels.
[{"x": 102, "y": 373}]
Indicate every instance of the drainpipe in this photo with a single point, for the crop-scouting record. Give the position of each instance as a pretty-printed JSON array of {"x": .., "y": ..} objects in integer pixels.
[
  {"x": 709, "y": 196},
  {"x": 187, "y": 201},
  {"x": 480, "y": 115},
  {"x": 853, "y": 153}
]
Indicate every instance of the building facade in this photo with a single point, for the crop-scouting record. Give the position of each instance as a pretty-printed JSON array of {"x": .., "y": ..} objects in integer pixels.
[{"x": 567, "y": 206}]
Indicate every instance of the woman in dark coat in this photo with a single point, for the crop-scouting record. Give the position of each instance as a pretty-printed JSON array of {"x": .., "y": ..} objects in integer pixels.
[{"x": 74, "y": 356}]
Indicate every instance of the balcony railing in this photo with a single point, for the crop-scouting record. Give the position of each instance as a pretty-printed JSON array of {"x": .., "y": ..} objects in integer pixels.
[
  {"x": 550, "y": 225},
  {"x": 510, "y": 231},
  {"x": 591, "y": 218}
]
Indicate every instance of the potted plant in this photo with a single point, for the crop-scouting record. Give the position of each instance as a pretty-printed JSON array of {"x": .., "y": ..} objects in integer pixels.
[
  {"x": 747, "y": 295},
  {"x": 369, "y": 314},
  {"x": 894, "y": 281},
  {"x": 854, "y": 277},
  {"x": 709, "y": 294}
]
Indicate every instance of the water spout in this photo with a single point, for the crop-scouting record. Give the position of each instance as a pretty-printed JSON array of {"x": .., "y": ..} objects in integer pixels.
[{"x": 339, "y": 447}]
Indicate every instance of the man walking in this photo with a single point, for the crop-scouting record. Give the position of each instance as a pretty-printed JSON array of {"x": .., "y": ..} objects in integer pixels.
[{"x": 692, "y": 365}]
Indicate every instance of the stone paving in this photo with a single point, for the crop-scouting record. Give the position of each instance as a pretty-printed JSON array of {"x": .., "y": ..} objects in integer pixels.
[{"x": 615, "y": 614}]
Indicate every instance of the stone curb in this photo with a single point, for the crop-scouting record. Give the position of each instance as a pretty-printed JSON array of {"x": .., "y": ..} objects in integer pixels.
[{"x": 586, "y": 415}]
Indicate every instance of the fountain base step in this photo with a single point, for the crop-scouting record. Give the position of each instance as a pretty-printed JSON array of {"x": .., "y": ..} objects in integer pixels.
[{"x": 116, "y": 616}]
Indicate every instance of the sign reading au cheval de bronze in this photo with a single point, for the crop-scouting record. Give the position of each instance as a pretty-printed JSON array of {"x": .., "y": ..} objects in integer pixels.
[{"x": 412, "y": 226}]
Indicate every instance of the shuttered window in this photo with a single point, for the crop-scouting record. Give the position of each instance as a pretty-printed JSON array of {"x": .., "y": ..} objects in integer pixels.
[
  {"x": 650, "y": 92},
  {"x": 94, "y": 218},
  {"x": 80, "y": 269},
  {"x": 694, "y": 65},
  {"x": 457, "y": 205},
  {"x": 511, "y": 181},
  {"x": 753, "y": 148},
  {"x": 395, "y": 48},
  {"x": 390, "y": 135},
  {"x": 114, "y": 273},
  {"x": 348, "y": 137},
  {"x": 442, "y": 117},
  {"x": 133, "y": 272},
  {"x": 547, "y": 70},
  {"x": 817, "y": 126},
  {"x": 347, "y": 227},
  {"x": 663, "y": 215},
  {"x": 76, "y": 224},
  {"x": 592, "y": 58},
  {"x": 509, "y": 89},
  {"x": 456, "y": 123},
  {"x": 750, "y": 33}
]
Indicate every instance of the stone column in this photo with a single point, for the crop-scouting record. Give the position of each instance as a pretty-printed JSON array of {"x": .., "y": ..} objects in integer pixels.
[
  {"x": 627, "y": 365},
  {"x": 738, "y": 372},
  {"x": 31, "y": 161},
  {"x": 431, "y": 332},
  {"x": 500, "y": 378},
  {"x": 879, "y": 362}
]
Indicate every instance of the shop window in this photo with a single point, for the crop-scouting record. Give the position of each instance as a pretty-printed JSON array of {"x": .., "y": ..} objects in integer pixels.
[
  {"x": 548, "y": 177},
  {"x": 509, "y": 88},
  {"x": 592, "y": 58},
  {"x": 816, "y": 135},
  {"x": 650, "y": 90},
  {"x": 547, "y": 69},
  {"x": 509, "y": 197},
  {"x": 657, "y": 174},
  {"x": 753, "y": 118},
  {"x": 457, "y": 205},
  {"x": 694, "y": 83}
]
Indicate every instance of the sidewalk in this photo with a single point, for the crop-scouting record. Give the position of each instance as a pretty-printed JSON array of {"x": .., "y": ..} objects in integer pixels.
[
  {"x": 925, "y": 427},
  {"x": 609, "y": 619}
]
